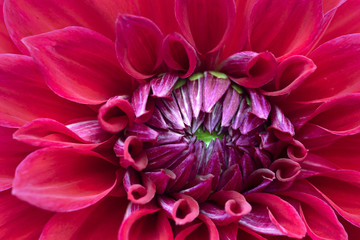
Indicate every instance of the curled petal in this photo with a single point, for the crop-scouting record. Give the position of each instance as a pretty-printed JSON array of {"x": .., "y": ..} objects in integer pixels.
[
  {"x": 116, "y": 114},
  {"x": 182, "y": 210},
  {"x": 206, "y": 24},
  {"x": 258, "y": 180},
  {"x": 79, "y": 64},
  {"x": 296, "y": 151},
  {"x": 145, "y": 222},
  {"x": 225, "y": 207},
  {"x": 161, "y": 179},
  {"x": 131, "y": 153},
  {"x": 250, "y": 69},
  {"x": 46, "y": 132},
  {"x": 179, "y": 55},
  {"x": 291, "y": 73},
  {"x": 140, "y": 189},
  {"x": 139, "y": 58},
  {"x": 285, "y": 169},
  {"x": 280, "y": 124},
  {"x": 79, "y": 179}
]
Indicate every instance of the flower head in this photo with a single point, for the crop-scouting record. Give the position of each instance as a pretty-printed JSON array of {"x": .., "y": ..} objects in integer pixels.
[{"x": 179, "y": 119}]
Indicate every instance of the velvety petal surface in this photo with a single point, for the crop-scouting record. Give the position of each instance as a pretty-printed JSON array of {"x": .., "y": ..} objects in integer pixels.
[
  {"x": 79, "y": 64},
  {"x": 63, "y": 179}
]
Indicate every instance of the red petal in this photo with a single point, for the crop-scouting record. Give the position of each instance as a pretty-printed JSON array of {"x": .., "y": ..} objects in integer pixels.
[
  {"x": 19, "y": 220},
  {"x": 6, "y": 44},
  {"x": 24, "y": 95},
  {"x": 337, "y": 70},
  {"x": 63, "y": 179},
  {"x": 345, "y": 21},
  {"x": 206, "y": 24},
  {"x": 46, "y": 132},
  {"x": 85, "y": 224},
  {"x": 145, "y": 223},
  {"x": 340, "y": 115},
  {"x": 79, "y": 64},
  {"x": 139, "y": 58},
  {"x": 12, "y": 153},
  {"x": 297, "y": 25},
  {"x": 320, "y": 219},
  {"x": 116, "y": 114},
  {"x": 341, "y": 189},
  {"x": 140, "y": 189},
  {"x": 30, "y": 17},
  {"x": 201, "y": 229},
  {"x": 134, "y": 154},
  {"x": 274, "y": 216}
]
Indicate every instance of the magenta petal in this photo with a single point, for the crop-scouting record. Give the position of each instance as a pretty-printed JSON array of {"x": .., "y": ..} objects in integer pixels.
[
  {"x": 179, "y": 55},
  {"x": 182, "y": 210},
  {"x": 15, "y": 213},
  {"x": 274, "y": 216},
  {"x": 85, "y": 224},
  {"x": 78, "y": 179},
  {"x": 143, "y": 132},
  {"x": 200, "y": 187},
  {"x": 46, "y": 132},
  {"x": 280, "y": 124},
  {"x": 140, "y": 189},
  {"x": 142, "y": 104},
  {"x": 230, "y": 106},
  {"x": 182, "y": 172},
  {"x": 202, "y": 228},
  {"x": 260, "y": 106},
  {"x": 250, "y": 69},
  {"x": 184, "y": 103},
  {"x": 116, "y": 114},
  {"x": 206, "y": 24},
  {"x": 161, "y": 155},
  {"x": 285, "y": 169},
  {"x": 18, "y": 74},
  {"x": 171, "y": 112},
  {"x": 163, "y": 86},
  {"x": 295, "y": 33},
  {"x": 145, "y": 222},
  {"x": 131, "y": 153},
  {"x": 231, "y": 179},
  {"x": 214, "y": 89},
  {"x": 161, "y": 179},
  {"x": 139, "y": 58},
  {"x": 195, "y": 89},
  {"x": 79, "y": 64}
]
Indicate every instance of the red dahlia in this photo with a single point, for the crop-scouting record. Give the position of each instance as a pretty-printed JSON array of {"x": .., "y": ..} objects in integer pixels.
[{"x": 180, "y": 119}]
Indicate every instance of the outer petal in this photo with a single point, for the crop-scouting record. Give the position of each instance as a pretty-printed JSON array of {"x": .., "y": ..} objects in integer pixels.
[
  {"x": 6, "y": 44},
  {"x": 206, "y": 24},
  {"x": 85, "y": 224},
  {"x": 12, "y": 153},
  {"x": 272, "y": 215},
  {"x": 30, "y": 17},
  {"x": 139, "y": 58},
  {"x": 337, "y": 70},
  {"x": 145, "y": 223},
  {"x": 202, "y": 229},
  {"x": 63, "y": 179},
  {"x": 79, "y": 64},
  {"x": 294, "y": 33},
  {"x": 24, "y": 95},
  {"x": 341, "y": 189},
  {"x": 15, "y": 213}
]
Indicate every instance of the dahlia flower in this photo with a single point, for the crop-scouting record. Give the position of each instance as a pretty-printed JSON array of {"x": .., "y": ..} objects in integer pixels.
[{"x": 180, "y": 119}]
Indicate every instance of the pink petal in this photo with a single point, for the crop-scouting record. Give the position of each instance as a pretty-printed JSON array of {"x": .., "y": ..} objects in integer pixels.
[
  {"x": 44, "y": 132},
  {"x": 164, "y": 85},
  {"x": 142, "y": 104},
  {"x": 134, "y": 155},
  {"x": 337, "y": 69},
  {"x": 272, "y": 215},
  {"x": 161, "y": 179},
  {"x": 339, "y": 116},
  {"x": 139, "y": 58},
  {"x": 203, "y": 228},
  {"x": 214, "y": 89},
  {"x": 320, "y": 220},
  {"x": 12, "y": 153},
  {"x": 19, "y": 77},
  {"x": 85, "y": 224},
  {"x": 299, "y": 26},
  {"x": 146, "y": 223},
  {"x": 15, "y": 213},
  {"x": 182, "y": 210},
  {"x": 79, "y": 64},
  {"x": 6, "y": 44},
  {"x": 143, "y": 132},
  {"x": 78, "y": 179},
  {"x": 206, "y": 24},
  {"x": 345, "y": 20},
  {"x": 30, "y": 17},
  {"x": 250, "y": 69},
  {"x": 140, "y": 189},
  {"x": 290, "y": 74},
  {"x": 179, "y": 55},
  {"x": 116, "y": 114},
  {"x": 341, "y": 189}
]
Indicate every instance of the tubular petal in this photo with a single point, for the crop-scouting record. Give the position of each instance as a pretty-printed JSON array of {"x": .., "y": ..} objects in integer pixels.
[
  {"x": 139, "y": 58},
  {"x": 206, "y": 24},
  {"x": 78, "y": 179}
]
